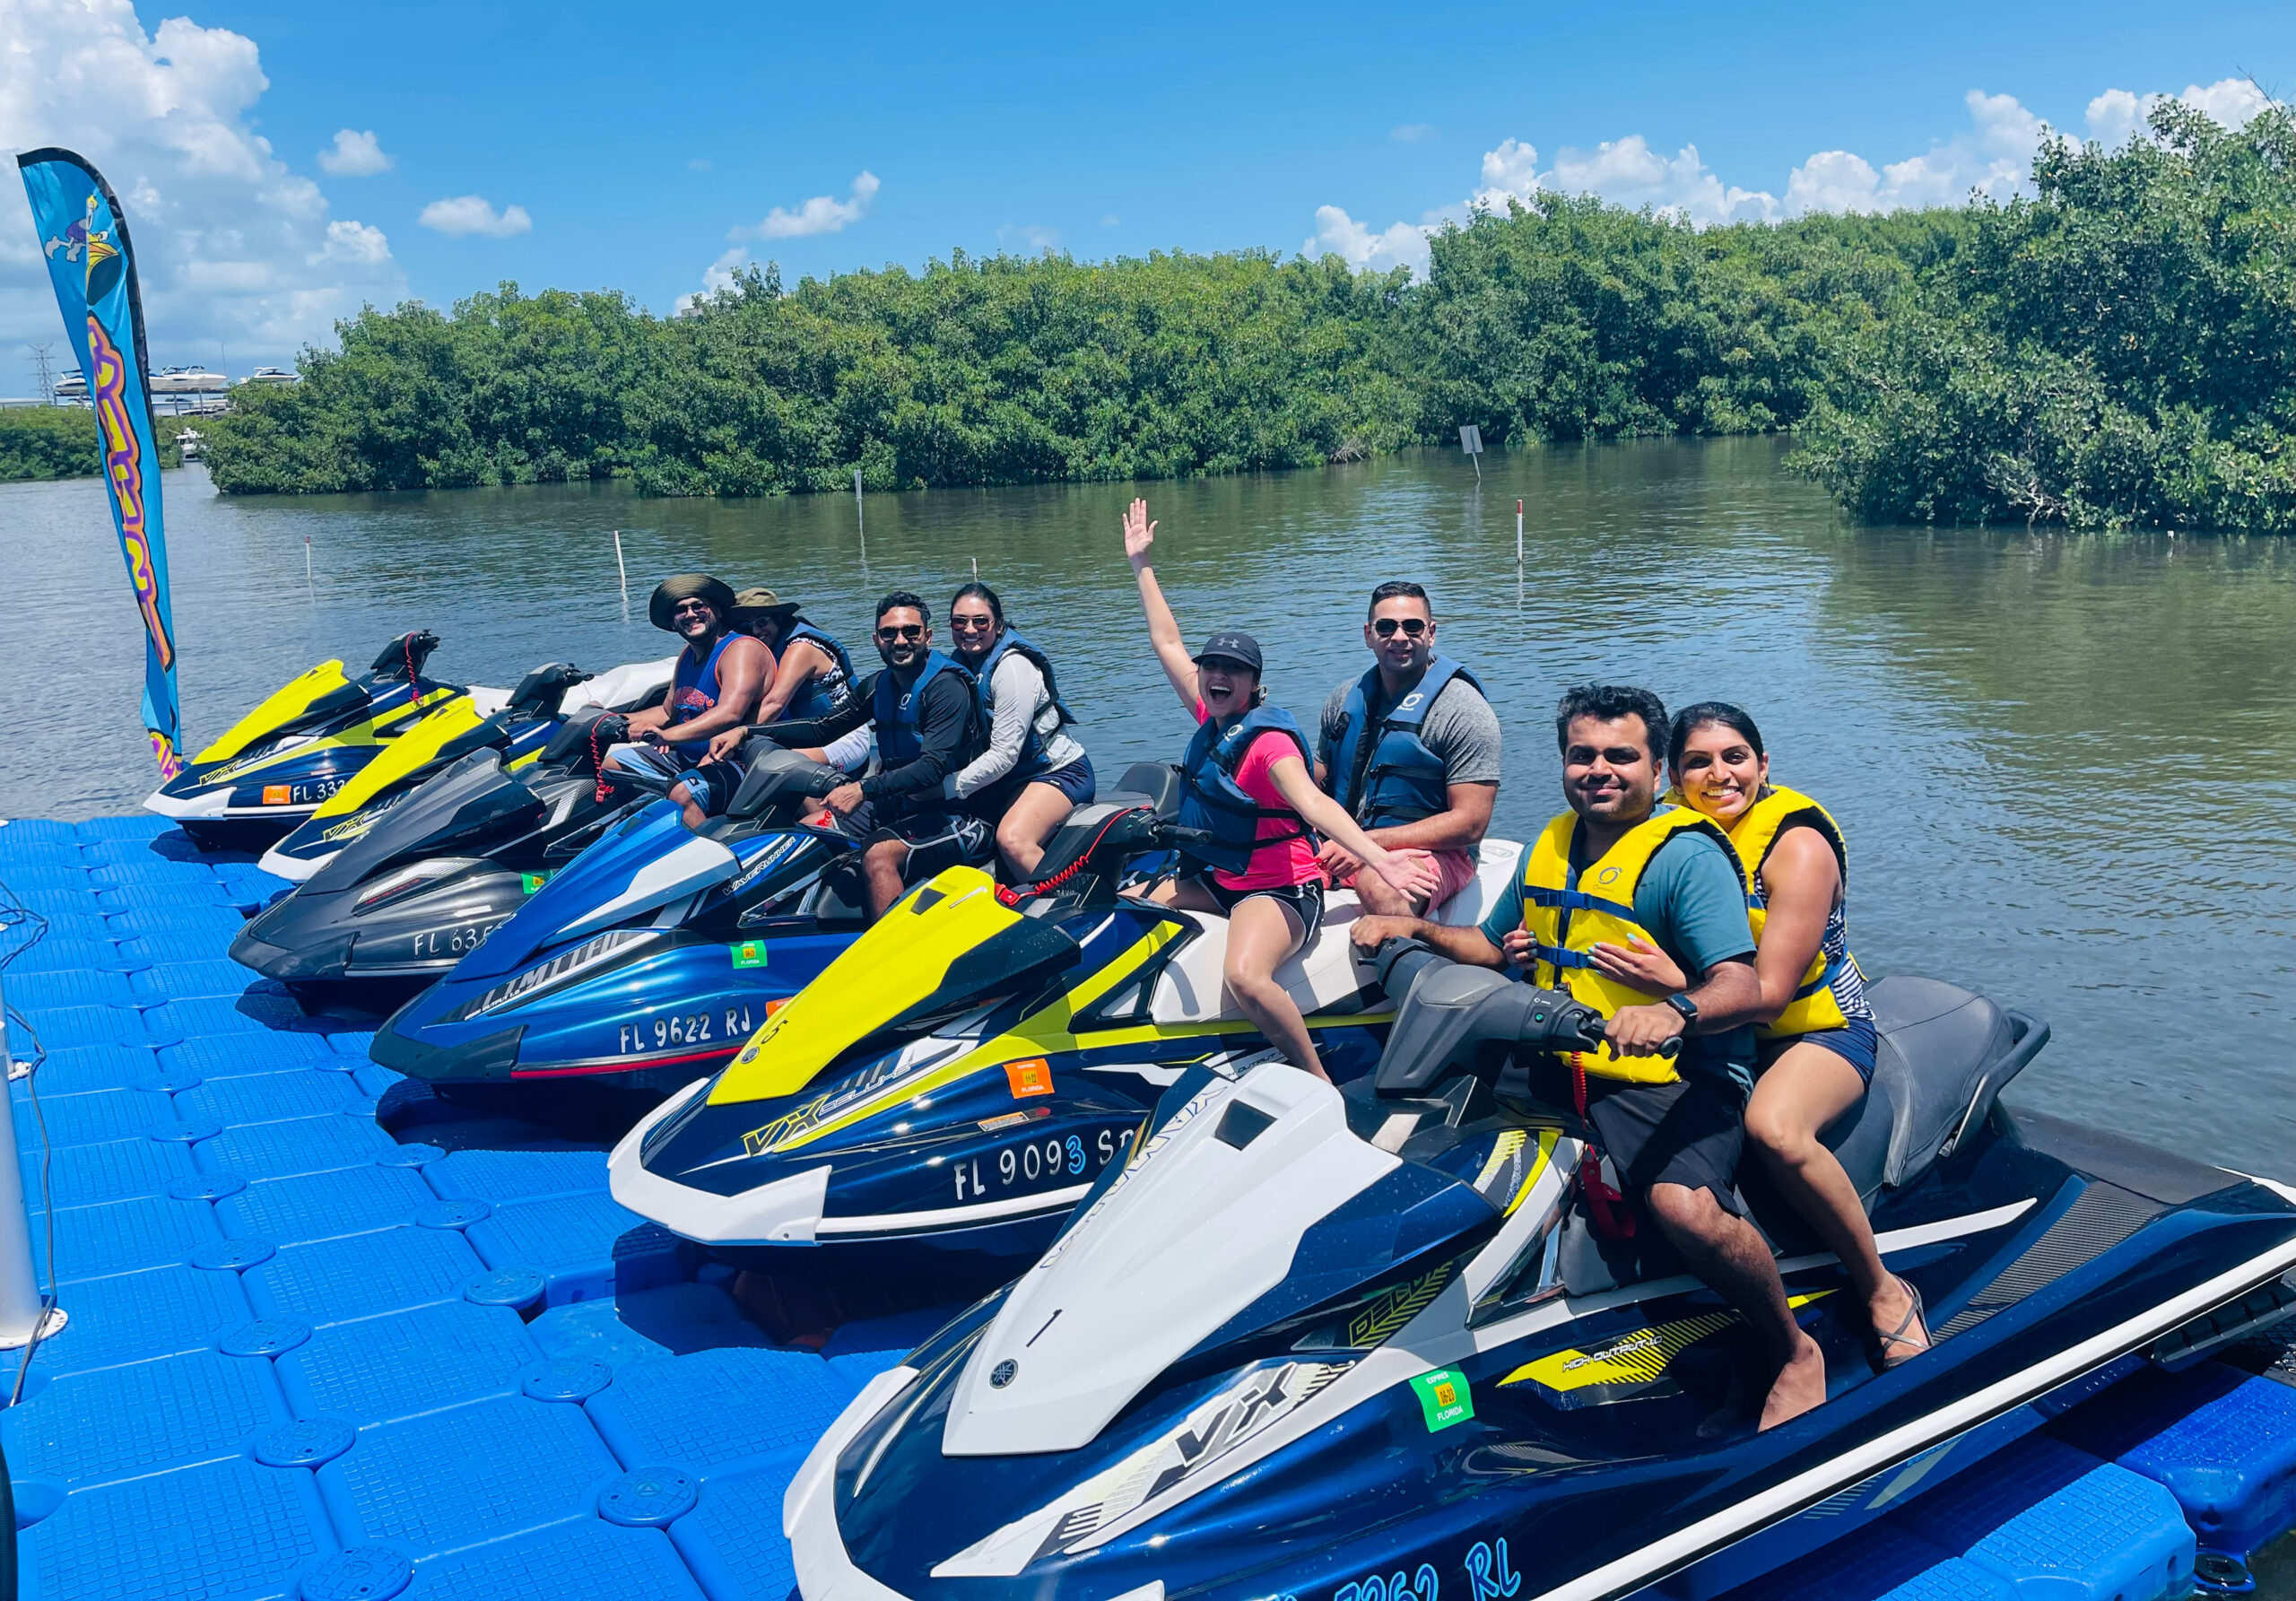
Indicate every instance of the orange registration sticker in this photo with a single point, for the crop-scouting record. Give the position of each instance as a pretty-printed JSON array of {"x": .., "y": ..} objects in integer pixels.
[
  {"x": 1032, "y": 1076},
  {"x": 775, "y": 1006},
  {"x": 277, "y": 795}
]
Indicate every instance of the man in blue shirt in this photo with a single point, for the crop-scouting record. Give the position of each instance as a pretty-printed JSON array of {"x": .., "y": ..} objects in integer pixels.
[{"x": 1674, "y": 1145}]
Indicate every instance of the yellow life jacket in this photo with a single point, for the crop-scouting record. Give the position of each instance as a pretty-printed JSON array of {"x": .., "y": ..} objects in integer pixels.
[
  {"x": 1832, "y": 987},
  {"x": 1565, "y": 921}
]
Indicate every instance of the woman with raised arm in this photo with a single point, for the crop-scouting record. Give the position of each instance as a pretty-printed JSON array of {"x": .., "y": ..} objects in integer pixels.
[
  {"x": 1248, "y": 783},
  {"x": 1816, "y": 1043}
]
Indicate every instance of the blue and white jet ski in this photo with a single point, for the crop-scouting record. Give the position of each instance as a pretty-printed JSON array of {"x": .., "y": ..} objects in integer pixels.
[
  {"x": 1331, "y": 1344},
  {"x": 652, "y": 954}
]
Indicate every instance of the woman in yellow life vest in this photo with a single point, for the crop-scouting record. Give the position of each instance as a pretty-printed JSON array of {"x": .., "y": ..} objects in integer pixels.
[{"x": 1816, "y": 1039}]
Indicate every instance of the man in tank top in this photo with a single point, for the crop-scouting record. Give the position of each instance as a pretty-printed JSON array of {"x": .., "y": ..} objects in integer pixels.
[{"x": 720, "y": 674}]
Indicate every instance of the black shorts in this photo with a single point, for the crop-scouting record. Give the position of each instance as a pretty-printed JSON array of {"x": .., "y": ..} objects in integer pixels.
[
  {"x": 936, "y": 840},
  {"x": 1306, "y": 901},
  {"x": 1691, "y": 1133}
]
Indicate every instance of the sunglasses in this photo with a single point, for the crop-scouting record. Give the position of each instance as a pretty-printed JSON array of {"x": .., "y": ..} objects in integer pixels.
[
  {"x": 911, "y": 631},
  {"x": 1412, "y": 627},
  {"x": 971, "y": 625},
  {"x": 683, "y": 606}
]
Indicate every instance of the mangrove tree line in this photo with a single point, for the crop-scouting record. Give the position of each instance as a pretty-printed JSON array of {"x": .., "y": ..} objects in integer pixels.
[{"x": 2116, "y": 350}]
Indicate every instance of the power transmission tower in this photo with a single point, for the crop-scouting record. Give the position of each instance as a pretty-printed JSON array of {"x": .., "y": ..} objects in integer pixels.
[{"x": 45, "y": 369}]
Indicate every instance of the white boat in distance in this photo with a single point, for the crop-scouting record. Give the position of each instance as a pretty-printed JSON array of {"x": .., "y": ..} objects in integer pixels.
[{"x": 188, "y": 380}]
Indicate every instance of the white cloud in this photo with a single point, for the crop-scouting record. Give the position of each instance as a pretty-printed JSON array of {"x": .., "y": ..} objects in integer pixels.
[
  {"x": 1993, "y": 156},
  {"x": 467, "y": 214},
  {"x": 231, "y": 244},
  {"x": 353, "y": 241},
  {"x": 1341, "y": 235},
  {"x": 355, "y": 155},
  {"x": 1031, "y": 240},
  {"x": 2117, "y": 114},
  {"x": 821, "y": 214},
  {"x": 717, "y": 275}
]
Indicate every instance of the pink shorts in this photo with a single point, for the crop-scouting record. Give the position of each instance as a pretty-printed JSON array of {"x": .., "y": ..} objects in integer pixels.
[{"x": 1455, "y": 870}]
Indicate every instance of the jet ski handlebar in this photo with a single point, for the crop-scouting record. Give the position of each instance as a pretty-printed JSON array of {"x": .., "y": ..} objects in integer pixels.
[{"x": 1449, "y": 1013}]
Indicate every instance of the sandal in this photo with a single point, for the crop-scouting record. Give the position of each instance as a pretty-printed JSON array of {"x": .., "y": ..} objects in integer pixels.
[{"x": 1898, "y": 1337}]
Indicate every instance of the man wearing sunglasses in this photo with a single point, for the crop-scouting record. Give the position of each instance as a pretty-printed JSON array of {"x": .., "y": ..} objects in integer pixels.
[
  {"x": 720, "y": 674},
  {"x": 926, "y": 710},
  {"x": 1411, "y": 749}
]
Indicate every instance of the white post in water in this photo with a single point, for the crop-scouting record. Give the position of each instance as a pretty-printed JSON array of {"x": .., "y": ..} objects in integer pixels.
[
  {"x": 618, "y": 565},
  {"x": 308, "y": 582},
  {"x": 20, "y": 1315},
  {"x": 1518, "y": 532},
  {"x": 1471, "y": 441}
]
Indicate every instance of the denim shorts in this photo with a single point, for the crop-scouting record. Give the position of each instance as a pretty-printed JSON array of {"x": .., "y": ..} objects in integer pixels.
[{"x": 1855, "y": 1042}]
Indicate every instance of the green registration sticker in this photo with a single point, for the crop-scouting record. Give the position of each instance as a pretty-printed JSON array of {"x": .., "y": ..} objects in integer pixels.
[
  {"x": 1444, "y": 1397},
  {"x": 531, "y": 881},
  {"x": 749, "y": 952}
]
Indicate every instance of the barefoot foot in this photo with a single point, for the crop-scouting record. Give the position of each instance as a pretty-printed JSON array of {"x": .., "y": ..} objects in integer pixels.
[{"x": 1800, "y": 1385}]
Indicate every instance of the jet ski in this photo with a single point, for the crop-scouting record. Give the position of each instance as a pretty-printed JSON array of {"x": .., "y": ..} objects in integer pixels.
[
  {"x": 653, "y": 955},
  {"x": 965, "y": 1073},
  {"x": 441, "y": 871},
  {"x": 272, "y": 768},
  {"x": 1300, "y": 1341},
  {"x": 537, "y": 710}
]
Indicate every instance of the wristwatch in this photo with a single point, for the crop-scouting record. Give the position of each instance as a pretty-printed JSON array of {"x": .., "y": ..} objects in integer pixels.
[{"x": 1687, "y": 1008}]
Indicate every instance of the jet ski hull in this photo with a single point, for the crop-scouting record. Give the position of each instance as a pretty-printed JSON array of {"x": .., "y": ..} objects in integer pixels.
[
  {"x": 677, "y": 1003},
  {"x": 307, "y": 938},
  {"x": 1459, "y": 1417}
]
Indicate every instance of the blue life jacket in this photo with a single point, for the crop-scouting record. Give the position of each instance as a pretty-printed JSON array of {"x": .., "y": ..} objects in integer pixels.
[
  {"x": 825, "y": 693},
  {"x": 1210, "y": 799},
  {"x": 895, "y": 714},
  {"x": 1385, "y": 775},
  {"x": 693, "y": 690},
  {"x": 1032, "y": 760}
]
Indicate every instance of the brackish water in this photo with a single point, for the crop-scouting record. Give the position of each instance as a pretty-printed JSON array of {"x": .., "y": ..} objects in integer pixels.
[{"x": 2062, "y": 762}]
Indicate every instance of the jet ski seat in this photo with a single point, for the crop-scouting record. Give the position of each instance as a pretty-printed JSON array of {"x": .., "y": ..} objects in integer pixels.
[
  {"x": 1155, "y": 785},
  {"x": 1946, "y": 1053}
]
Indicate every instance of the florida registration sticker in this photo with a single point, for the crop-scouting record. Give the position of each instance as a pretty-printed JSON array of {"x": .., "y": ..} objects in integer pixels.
[
  {"x": 1444, "y": 1398},
  {"x": 278, "y": 794},
  {"x": 749, "y": 952},
  {"x": 1030, "y": 1076}
]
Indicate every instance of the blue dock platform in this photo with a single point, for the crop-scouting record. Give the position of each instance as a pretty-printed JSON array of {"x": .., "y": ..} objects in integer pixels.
[{"x": 309, "y": 1356}]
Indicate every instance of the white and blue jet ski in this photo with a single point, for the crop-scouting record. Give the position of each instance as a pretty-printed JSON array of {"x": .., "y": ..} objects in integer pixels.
[{"x": 1328, "y": 1345}]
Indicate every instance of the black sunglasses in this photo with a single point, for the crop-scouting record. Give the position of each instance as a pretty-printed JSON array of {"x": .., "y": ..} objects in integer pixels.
[
  {"x": 1412, "y": 627},
  {"x": 906, "y": 630},
  {"x": 969, "y": 625}
]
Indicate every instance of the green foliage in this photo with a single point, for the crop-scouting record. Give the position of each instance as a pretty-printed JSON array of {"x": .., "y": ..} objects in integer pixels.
[
  {"x": 2118, "y": 351},
  {"x": 60, "y": 442}
]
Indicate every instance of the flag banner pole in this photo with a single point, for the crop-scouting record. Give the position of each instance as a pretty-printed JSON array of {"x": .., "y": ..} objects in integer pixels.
[{"x": 84, "y": 236}]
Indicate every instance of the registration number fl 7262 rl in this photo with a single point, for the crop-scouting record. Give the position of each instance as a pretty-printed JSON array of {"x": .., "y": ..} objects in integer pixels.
[{"x": 724, "y": 1026}]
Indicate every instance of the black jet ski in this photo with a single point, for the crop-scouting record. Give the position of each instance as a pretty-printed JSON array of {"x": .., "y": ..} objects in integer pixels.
[
  {"x": 305, "y": 740},
  {"x": 521, "y": 730},
  {"x": 962, "y": 1075},
  {"x": 1313, "y": 1343},
  {"x": 445, "y": 867}
]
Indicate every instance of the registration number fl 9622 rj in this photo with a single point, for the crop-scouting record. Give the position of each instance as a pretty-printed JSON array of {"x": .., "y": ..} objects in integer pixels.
[{"x": 726, "y": 1026}]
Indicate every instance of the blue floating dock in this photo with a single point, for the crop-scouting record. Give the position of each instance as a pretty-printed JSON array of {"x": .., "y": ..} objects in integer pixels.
[{"x": 307, "y": 1358}]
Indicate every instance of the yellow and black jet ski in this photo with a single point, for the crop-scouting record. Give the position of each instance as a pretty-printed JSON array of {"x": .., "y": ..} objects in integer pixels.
[
  {"x": 964, "y": 1071},
  {"x": 309, "y": 738}
]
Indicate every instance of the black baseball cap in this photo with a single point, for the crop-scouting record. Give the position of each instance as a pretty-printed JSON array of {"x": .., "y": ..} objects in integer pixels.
[{"x": 1231, "y": 646}]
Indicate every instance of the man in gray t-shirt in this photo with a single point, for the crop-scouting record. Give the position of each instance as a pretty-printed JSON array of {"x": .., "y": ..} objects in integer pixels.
[{"x": 1414, "y": 781}]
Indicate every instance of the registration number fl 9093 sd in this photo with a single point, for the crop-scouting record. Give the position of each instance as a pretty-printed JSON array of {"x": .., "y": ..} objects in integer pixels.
[
  {"x": 1044, "y": 1161},
  {"x": 724, "y": 1026}
]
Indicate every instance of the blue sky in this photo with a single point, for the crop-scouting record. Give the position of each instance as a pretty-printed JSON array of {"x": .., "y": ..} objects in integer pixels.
[{"x": 642, "y": 146}]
